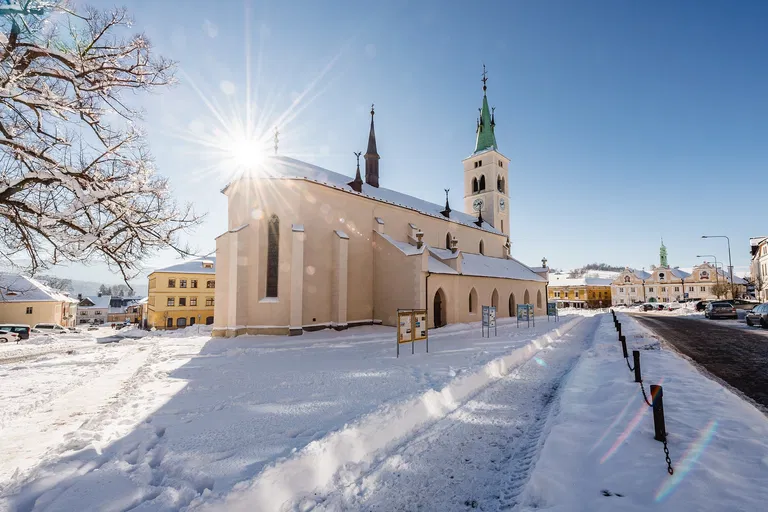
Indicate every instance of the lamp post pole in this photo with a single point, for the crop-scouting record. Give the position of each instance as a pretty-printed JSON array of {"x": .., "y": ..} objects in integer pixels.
[
  {"x": 730, "y": 264},
  {"x": 717, "y": 272}
]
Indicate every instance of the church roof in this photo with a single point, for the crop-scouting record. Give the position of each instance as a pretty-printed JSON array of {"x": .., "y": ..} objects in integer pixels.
[
  {"x": 487, "y": 266},
  {"x": 281, "y": 167}
]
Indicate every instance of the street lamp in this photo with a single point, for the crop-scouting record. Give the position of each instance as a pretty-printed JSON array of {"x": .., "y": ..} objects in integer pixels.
[
  {"x": 717, "y": 272},
  {"x": 730, "y": 265}
]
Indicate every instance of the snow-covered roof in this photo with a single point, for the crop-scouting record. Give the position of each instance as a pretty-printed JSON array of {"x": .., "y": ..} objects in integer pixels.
[
  {"x": 98, "y": 302},
  {"x": 540, "y": 269},
  {"x": 281, "y": 167},
  {"x": 679, "y": 273},
  {"x": 438, "y": 267},
  {"x": 443, "y": 254},
  {"x": 486, "y": 266},
  {"x": 195, "y": 266},
  {"x": 18, "y": 288},
  {"x": 580, "y": 281},
  {"x": 640, "y": 274},
  {"x": 757, "y": 240},
  {"x": 404, "y": 247}
]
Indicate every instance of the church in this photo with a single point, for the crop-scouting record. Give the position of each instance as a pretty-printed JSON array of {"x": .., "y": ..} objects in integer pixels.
[{"x": 308, "y": 248}]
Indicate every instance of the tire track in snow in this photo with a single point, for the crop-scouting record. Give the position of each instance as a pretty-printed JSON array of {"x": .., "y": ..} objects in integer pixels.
[{"x": 482, "y": 454}]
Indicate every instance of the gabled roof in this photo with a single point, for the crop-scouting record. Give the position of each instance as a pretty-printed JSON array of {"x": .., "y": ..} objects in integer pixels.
[
  {"x": 18, "y": 288},
  {"x": 581, "y": 281},
  {"x": 281, "y": 167},
  {"x": 680, "y": 274},
  {"x": 191, "y": 267},
  {"x": 487, "y": 266},
  {"x": 98, "y": 302}
]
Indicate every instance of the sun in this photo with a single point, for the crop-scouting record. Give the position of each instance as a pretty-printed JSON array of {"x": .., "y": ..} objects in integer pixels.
[{"x": 246, "y": 154}]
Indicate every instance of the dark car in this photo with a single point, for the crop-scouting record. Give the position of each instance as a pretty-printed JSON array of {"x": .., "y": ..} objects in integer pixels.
[
  {"x": 701, "y": 305},
  {"x": 758, "y": 316},
  {"x": 720, "y": 309},
  {"x": 21, "y": 329},
  {"x": 648, "y": 307}
]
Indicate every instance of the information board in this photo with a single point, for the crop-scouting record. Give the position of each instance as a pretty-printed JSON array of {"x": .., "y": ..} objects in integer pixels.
[
  {"x": 525, "y": 314},
  {"x": 420, "y": 325},
  {"x": 411, "y": 326},
  {"x": 492, "y": 317},
  {"x": 404, "y": 331}
]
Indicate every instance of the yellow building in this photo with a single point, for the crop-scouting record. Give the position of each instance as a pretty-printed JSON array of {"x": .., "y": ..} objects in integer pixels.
[
  {"x": 582, "y": 292},
  {"x": 24, "y": 300},
  {"x": 182, "y": 294}
]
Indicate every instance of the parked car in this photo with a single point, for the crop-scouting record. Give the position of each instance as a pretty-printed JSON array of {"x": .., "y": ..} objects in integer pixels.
[
  {"x": 51, "y": 328},
  {"x": 7, "y": 336},
  {"x": 21, "y": 329},
  {"x": 93, "y": 327},
  {"x": 758, "y": 316},
  {"x": 701, "y": 305},
  {"x": 720, "y": 309},
  {"x": 648, "y": 307},
  {"x": 746, "y": 305}
]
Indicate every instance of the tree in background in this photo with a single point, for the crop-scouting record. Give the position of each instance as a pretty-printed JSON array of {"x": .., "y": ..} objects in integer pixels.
[
  {"x": 77, "y": 181},
  {"x": 57, "y": 283},
  {"x": 721, "y": 289}
]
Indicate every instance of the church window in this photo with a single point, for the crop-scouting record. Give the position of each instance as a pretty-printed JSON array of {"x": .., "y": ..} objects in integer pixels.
[
  {"x": 481, "y": 249},
  {"x": 482, "y": 183},
  {"x": 501, "y": 164},
  {"x": 448, "y": 239},
  {"x": 474, "y": 185},
  {"x": 538, "y": 299},
  {"x": 479, "y": 163},
  {"x": 472, "y": 300},
  {"x": 500, "y": 184},
  {"x": 273, "y": 253}
]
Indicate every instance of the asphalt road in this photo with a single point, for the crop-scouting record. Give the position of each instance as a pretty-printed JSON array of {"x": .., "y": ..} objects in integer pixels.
[{"x": 738, "y": 357}]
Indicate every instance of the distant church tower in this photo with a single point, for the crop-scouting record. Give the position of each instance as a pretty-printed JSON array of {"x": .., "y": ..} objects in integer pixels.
[
  {"x": 663, "y": 255},
  {"x": 372, "y": 158},
  {"x": 486, "y": 172}
]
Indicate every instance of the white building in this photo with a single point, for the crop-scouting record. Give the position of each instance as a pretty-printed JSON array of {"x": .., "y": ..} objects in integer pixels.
[
  {"x": 759, "y": 266},
  {"x": 93, "y": 310}
]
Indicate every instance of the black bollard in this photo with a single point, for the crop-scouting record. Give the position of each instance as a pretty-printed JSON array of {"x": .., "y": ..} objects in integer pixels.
[
  {"x": 657, "y": 399},
  {"x": 636, "y": 357},
  {"x": 619, "y": 329},
  {"x": 623, "y": 341}
]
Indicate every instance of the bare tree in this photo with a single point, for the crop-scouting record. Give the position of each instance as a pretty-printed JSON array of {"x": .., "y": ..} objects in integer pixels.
[
  {"x": 77, "y": 181},
  {"x": 721, "y": 289}
]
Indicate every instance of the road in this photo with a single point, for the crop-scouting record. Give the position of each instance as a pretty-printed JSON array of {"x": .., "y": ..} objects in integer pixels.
[{"x": 736, "y": 356}]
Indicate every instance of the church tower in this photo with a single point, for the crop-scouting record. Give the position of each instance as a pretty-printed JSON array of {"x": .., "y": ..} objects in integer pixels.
[
  {"x": 663, "y": 255},
  {"x": 372, "y": 158},
  {"x": 486, "y": 172}
]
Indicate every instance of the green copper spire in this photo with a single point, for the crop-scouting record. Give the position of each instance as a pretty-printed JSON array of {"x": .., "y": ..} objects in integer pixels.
[
  {"x": 486, "y": 137},
  {"x": 663, "y": 255}
]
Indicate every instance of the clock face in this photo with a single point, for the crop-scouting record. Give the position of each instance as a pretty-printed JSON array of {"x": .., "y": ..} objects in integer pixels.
[
  {"x": 478, "y": 205},
  {"x": 502, "y": 204}
]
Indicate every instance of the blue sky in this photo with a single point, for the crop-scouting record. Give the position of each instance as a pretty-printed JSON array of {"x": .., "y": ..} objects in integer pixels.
[{"x": 624, "y": 121}]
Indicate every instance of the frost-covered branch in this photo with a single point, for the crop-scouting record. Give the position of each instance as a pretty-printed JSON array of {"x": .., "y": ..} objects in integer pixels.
[{"x": 77, "y": 181}]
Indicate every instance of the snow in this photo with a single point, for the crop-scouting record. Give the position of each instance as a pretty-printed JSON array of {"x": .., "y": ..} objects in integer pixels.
[
  {"x": 718, "y": 442},
  {"x": 154, "y": 422},
  {"x": 564, "y": 280},
  {"x": 18, "y": 288},
  {"x": 281, "y": 167},
  {"x": 444, "y": 254},
  {"x": 486, "y": 266},
  {"x": 192, "y": 267},
  {"x": 99, "y": 302},
  {"x": 405, "y": 248},
  {"x": 438, "y": 267}
]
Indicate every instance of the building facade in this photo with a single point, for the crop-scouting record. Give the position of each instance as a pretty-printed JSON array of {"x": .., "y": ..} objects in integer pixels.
[
  {"x": 582, "y": 292},
  {"x": 24, "y": 300},
  {"x": 665, "y": 284},
  {"x": 94, "y": 310},
  {"x": 181, "y": 295},
  {"x": 758, "y": 268},
  {"x": 307, "y": 248}
]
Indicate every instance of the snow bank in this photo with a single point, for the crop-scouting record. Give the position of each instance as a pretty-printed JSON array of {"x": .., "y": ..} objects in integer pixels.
[
  {"x": 343, "y": 455},
  {"x": 718, "y": 442}
]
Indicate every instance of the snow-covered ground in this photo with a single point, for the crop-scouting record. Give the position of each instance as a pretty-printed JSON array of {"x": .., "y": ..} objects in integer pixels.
[
  {"x": 539, "y": 418},
  {"x": 156, "y": 421},
  {"x": 602, "y": 437}
]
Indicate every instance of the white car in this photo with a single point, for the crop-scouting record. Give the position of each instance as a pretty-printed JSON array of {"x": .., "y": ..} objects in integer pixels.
[
  {"x": 51, "y": 328},
  {"x": 6, "y": 336}
]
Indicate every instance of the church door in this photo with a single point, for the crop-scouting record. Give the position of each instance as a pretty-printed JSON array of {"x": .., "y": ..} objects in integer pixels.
[{"x": 437, "y": 309}]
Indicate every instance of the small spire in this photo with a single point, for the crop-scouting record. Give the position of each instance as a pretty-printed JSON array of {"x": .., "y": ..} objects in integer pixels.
[
  {"x": 357, "y": 183},
  {"x": 486, "y": 137},
  {"x": 479, "y": 220},
  {"x": 447, "y": 211},
  {"x": 372, "y": 157},
  {"x": 485, "y": 79},
  {"x": 277, "y": 140}
]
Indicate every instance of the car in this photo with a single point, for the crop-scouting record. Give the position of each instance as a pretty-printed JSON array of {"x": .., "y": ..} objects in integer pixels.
[
  {"x": 51, "y": 328},
  {"x": 701, "y": 305},
  {"x": 93, "y": 327},
  {"x": 8, "y": 336},
  {"x": 73, "y": 329},
  {"x": 746, "y": 305},
  {"x": 758, "y": 316},
  {"x": 720, "y": 309},
  {"x": 21, "y": 329},
  {"x": 648, "y": 307}
]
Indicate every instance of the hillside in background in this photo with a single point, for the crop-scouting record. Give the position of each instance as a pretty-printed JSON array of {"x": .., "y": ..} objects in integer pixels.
[
  {"x": 87, "y": 288},
  {"x": 602, "y": 267}
]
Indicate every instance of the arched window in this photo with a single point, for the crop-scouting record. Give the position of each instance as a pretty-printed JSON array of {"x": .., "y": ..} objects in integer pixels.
[
  {"x": 481, "y": 248},
  {"x": 495, "y": 299},
  {"x": 474, "y": 185},
  {"x": 472, "y": 300},
  {"x": 538, "y": 299},
  {"x": 512, "y": 305},
  {"x": 181, "y": 322},
  {"x": 526, "y": 298},
  {"x": 500, "y": 184},
  {"x": 273, "y": 255},
  {"x": 481, "y": 185},
  {"x": 448, "y": 239}
]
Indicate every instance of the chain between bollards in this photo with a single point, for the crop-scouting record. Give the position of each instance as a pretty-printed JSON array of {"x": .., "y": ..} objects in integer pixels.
[{"x": 666, "y": 456}]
